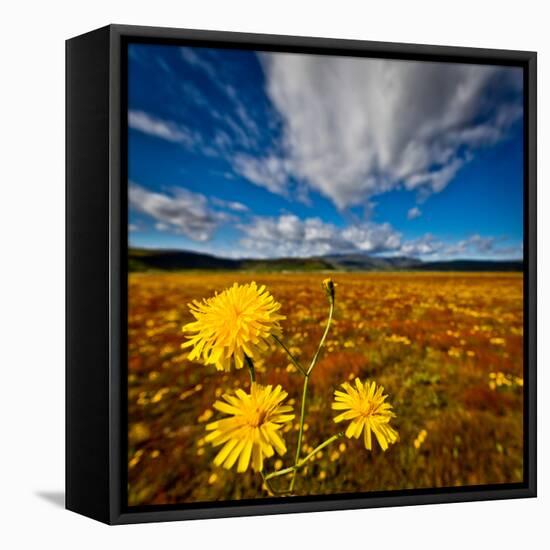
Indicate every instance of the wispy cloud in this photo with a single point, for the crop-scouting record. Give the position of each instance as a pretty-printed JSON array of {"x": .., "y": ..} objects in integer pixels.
[
  {"x": 163, "y": 129},
  {"x": 430, "y": 247},
  {"x": 242, "y": 126},
  {"x": 270, "y": 172},
  {"x": 194, "y": 58},
  {"x": 414, "y": 213},
  {"x": 354, "y": 128},
  {"x": 181, "y": 211},
  {"x": 230, "y": 205}
]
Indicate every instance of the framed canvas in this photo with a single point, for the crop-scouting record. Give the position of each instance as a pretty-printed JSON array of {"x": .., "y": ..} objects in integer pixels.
[{"x": 301, "y": 274}]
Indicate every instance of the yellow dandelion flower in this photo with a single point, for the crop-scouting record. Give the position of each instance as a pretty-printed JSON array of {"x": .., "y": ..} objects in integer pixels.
[
  {"x": 365, "y": 406},
  {"x": 251, "y": 432},
  {"x": 237, "y": 322}
]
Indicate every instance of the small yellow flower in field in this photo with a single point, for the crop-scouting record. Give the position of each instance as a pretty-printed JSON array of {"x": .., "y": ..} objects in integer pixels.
[
  {"x": 206, "y": 416},
  {"x": 251, "y": 431},
  {"x": 497, "y": 341},
  {"x": 498, "y": 379},
  {"x": 454, "y": 352},
  {"x": 396, "y": 339},
  {"x": 136, "y": 458},
  {"x": 213, "y": 478},
  {"x": 420, "y": 438},
  {"x": 365, "y": 406},
  {"x": 237, "y": 322},
  {"x": 159, "y": 395}
]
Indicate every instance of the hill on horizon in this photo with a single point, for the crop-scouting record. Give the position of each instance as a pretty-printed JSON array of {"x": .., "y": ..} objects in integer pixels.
[{"x": 140, "y": 260}]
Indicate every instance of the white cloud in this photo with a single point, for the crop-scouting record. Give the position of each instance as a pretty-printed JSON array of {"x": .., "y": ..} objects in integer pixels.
[
  {"x": 195, "y": 216},
  {"x": 288, "y": 235},
  {"x": 353, "y": 128},
  {"x": 371, "y": 237},
  {"x": 163, "y": 129},
  {"x": 427, "y": 245},
  {"x": 183, "y": 212},
  {"x": 270, "y": 172},
  {"x": 229, "y": 205},
  {"x": 474, "y": 246},
  {"x": 414, "y": 213},
  {"x": 474, "y": 243},
  {"x": 242, "y": 125},
  {"x": 191, "y": 56}
]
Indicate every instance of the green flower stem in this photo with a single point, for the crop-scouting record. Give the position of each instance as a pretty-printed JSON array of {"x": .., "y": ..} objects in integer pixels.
[
  {"x": 301, "y": 432},
  {"x": 295, "y": 361},
  {"x": 320, "y": 447},
  {"x": 323, "y": 338},
  {"x": 304, "y": 392},
  {"x": 251, "y": 370},
  {"x": 305, "y": 460},
  {"x": 272, "y": 489},
  {"x": 288, "y": 470}
]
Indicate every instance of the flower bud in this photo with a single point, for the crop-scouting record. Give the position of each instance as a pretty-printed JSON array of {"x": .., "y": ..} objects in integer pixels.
[{"x": 329, "y": 286}]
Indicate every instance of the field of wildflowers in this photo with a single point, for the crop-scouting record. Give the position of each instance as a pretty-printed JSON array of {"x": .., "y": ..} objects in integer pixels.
[{"x": 447, "y": 347}]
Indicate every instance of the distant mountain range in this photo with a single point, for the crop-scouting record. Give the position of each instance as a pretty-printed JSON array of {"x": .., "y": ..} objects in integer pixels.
[{"x": 177, "y": 260}]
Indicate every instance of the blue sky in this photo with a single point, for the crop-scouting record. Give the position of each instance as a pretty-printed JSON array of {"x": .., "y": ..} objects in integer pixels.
[{"x": 250, "y": 154}]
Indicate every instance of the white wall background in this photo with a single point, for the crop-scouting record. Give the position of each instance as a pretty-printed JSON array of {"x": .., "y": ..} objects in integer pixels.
[{"x": 32, "y": 272}]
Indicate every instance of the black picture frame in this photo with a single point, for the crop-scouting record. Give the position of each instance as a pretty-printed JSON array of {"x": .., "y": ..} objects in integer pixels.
[{"x": 96, "y": 273}]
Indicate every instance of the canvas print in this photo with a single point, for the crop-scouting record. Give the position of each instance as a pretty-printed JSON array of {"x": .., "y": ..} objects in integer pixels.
[{"x": 325, "y": 275}]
